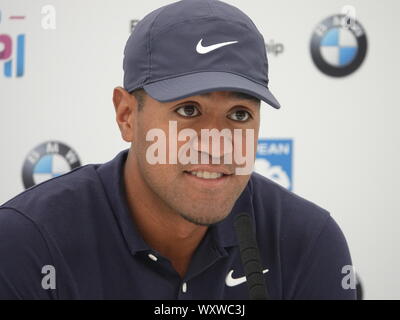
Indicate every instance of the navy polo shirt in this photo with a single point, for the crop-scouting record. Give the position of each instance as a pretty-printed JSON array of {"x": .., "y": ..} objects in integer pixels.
[{"x": 79, "y": 224}]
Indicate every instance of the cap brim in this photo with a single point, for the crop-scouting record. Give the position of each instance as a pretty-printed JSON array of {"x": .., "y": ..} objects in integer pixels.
[{"x": 197, "y": 83}]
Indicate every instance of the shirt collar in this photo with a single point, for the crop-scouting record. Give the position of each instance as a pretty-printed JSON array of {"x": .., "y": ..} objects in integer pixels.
[{"x": 111, "y": 175}]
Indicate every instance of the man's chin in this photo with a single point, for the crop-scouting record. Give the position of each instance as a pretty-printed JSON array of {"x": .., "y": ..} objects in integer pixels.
[{"x": 203, "y": 220}]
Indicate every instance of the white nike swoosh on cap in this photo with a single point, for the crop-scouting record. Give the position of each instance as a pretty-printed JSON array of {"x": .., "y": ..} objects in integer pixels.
[
  {"x": 202, "y": 50},
  {"x": 232, "y": 282}
]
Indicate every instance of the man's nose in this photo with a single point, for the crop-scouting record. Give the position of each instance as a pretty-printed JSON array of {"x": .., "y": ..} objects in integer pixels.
[{"x": 214, "y": 140}]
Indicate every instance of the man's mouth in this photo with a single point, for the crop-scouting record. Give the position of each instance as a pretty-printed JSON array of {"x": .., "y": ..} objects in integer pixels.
[
  {"x": 206, "y": 174},
  {"x": 209, "y": 176}
]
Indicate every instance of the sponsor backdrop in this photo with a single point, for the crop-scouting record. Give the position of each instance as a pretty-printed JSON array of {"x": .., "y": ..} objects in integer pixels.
[{"x": 333, "y": 66}]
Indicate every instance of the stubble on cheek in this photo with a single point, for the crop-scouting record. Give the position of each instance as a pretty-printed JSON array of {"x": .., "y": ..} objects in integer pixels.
[{"x": 173, "y": 190}]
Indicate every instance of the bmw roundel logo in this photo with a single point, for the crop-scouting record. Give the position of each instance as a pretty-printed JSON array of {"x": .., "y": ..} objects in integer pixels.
[
  {"x": 337, "y": 47},
  {"x": 48, "y": 160}
]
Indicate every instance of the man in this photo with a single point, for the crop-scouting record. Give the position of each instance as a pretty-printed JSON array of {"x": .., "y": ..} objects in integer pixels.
[{"x": 155, "y": 222}]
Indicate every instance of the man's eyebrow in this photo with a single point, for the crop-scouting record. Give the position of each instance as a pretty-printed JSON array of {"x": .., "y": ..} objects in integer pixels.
[{"x": 235, "y": 94}]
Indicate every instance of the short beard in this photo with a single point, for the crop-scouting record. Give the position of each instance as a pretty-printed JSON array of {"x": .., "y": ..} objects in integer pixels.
[{"x": 201, "y": 221}]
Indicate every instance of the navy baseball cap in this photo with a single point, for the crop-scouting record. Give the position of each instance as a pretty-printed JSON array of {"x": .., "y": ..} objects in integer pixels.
[{"x": 192, "y": 47}]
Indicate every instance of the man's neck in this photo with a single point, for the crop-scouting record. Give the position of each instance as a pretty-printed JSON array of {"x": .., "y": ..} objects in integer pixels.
[{"x": 162, "y": 228}]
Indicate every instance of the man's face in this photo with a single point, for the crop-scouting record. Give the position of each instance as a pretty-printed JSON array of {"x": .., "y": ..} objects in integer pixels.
[{"x": 184, "y": 188}]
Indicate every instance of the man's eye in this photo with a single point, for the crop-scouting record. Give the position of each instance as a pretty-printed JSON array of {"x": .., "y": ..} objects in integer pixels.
[
  {"x": 188, "y": 111},
  {"x": 240, "y": 115}
]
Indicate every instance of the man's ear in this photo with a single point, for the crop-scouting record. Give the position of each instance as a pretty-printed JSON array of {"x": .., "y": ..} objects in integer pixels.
[{"x": 124, "y": 112}]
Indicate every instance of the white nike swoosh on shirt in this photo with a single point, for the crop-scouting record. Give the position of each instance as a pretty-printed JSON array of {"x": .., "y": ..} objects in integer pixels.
[
  {"x": 202, "y": 50},
  {"x": 232, "y": 282}
]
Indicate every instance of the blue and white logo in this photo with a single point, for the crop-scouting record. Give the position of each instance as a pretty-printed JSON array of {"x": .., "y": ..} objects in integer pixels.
[
  {"x": 274, "y": 160},
  {"x": 48, "y": 160},
  {"x": 337, "y": 48}
]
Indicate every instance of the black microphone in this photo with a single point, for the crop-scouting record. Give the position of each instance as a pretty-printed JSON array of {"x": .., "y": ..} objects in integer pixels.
[{"x": 250, "y": 257}]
